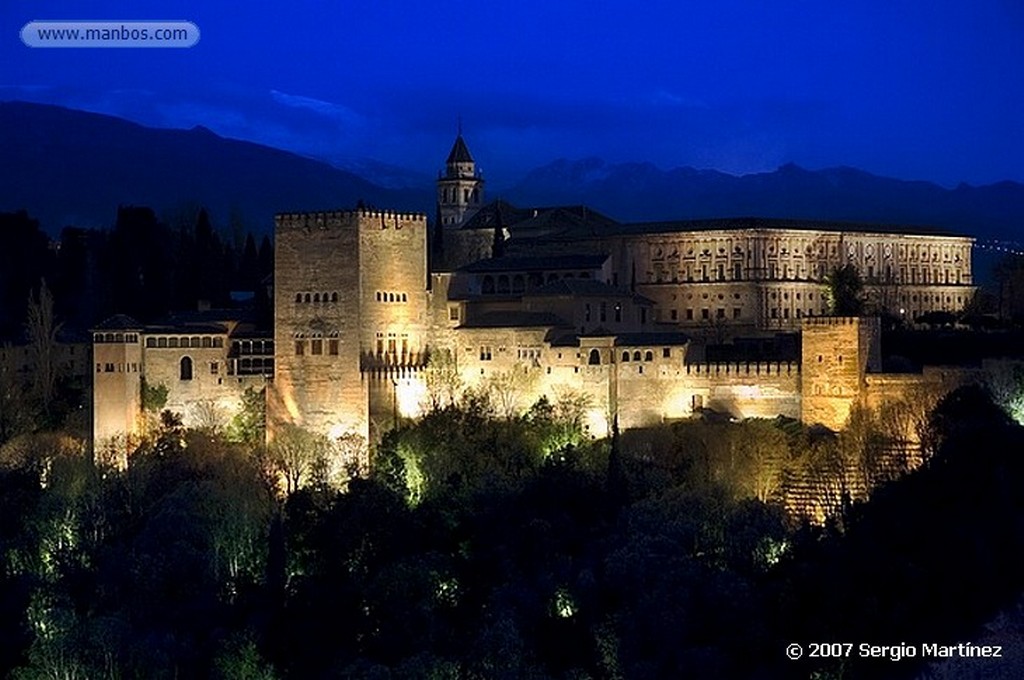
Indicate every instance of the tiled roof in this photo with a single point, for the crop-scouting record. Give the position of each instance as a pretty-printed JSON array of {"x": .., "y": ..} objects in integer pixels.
[
  {"x": 119, "y": 322},
  {"x": 515, "y": 319},
  {"x": 585, "y": 288},
  {"x": 539, "y": 220},
  {"x": 538, "y": 263},
  {"x": 460, "y": 152},
  {"x": 651, "y": 339},
  {"x": 744, "y": 223}
]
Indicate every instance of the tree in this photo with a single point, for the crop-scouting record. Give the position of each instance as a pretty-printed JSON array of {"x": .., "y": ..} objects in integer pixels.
[
  {"x": 442, "y": 379},
  {"x": 249, "y": 425},
  {"x": 508, "y": 388},
  {"x": 294, "y": 452},
  {"x": 42, "y": 328},
  {"x": 845, "y": 291}
]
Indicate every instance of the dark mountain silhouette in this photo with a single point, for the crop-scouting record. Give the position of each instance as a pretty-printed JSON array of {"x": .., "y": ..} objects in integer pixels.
[
  {"x": 71, "y": 167},
  {"x": 641, "y": 191}
]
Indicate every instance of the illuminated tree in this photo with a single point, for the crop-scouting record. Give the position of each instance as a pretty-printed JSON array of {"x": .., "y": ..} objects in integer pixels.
[
  {"x": 845, "y": 291},
  {"x": 442, "y": 379},
  {"x": 508, "y": 389},
  {"x": 249, "y": 425},
  {"x": 294, "y": 452}
]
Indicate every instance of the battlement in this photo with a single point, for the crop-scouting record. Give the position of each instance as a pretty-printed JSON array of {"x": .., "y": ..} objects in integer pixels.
[
  {"x": 830, "y": 321},
  {"x": 327, "y": 219},
  {"x": 714, "y": 369}
]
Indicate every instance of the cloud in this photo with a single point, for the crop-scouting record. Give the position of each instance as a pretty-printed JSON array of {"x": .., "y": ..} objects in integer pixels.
[{"x": 337, "y": 112}]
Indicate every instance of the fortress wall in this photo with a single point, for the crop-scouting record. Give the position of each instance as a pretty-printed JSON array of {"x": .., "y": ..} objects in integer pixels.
[{"x": 208, "y": 397}]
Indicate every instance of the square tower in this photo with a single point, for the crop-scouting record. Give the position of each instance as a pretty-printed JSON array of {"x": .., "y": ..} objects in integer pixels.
[
  {"x": 836, "y": 353},
  {"x": 349, "y": 296}
]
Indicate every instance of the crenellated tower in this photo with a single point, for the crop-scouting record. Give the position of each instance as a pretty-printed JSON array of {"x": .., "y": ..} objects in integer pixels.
[{"x": 460, "y": 188}]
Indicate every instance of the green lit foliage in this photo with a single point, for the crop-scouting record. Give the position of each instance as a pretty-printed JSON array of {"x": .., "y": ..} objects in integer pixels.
[
  {"x": 154, "y": 397},
  {"x": 845, "y": 291},
  {"x": 560, "y": 424},
  {"x": 1007, "y": 389},
  {"x": 481, "y": 547},
  {"x": 249, "y": 425}
]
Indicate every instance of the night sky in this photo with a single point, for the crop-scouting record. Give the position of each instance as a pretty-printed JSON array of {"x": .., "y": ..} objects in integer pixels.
[{"x": 901, "y": 88}]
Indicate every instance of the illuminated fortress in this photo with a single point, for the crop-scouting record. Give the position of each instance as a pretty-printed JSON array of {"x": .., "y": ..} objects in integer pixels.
[{"x": 647, "y": 322}]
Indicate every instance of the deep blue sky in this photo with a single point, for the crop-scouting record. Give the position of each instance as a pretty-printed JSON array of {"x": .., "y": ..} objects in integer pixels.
[{"x": 910, "y": 89}]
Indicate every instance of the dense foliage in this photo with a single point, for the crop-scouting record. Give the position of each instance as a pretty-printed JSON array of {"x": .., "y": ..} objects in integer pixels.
[{"x": 487, "y": 547}]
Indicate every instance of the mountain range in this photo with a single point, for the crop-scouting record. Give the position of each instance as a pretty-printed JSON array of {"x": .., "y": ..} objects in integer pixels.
[{"x": 71, "y": 167}]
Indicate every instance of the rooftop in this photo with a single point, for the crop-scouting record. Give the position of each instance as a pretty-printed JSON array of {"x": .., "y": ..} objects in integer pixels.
[{"x": 537, "y": 263}]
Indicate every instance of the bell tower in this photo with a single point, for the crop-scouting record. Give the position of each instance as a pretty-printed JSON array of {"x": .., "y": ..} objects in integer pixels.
[{"x": 460, "y": 188}]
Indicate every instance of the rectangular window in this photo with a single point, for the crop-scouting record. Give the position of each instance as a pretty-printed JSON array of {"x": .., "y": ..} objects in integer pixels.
[
  {"x": 735, "y": 312},
  {"x": 618, "y": 312},
  {"x": 666, "y": 352},
  {"x": 705, "y": 313},
  {"x": 689, "y": 315},
  {"x": 317, "y": 347},
  {"x": 485, "y": 353},
  {"x": 332, "y": 347},
  {"x": 675, "y": 314},
  {"x": 300, "y": 347},
  {"x": 604, "y": 311},
  {"x": 453, "y": 313},
  {"x": 720, "y": 313},
  {"x": 214, "y": 368}
]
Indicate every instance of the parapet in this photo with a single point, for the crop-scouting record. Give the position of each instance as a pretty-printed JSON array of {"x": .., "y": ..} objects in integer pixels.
[
  {"x": 830, "y": 320},
  {"x": 327, "y": 219}
]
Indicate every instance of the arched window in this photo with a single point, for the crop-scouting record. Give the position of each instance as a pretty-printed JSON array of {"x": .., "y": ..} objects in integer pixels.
[
  {"x": 503, "y": 286},
  {"x": 649, "y": 355},
  {"x": 636, "y": 355},
  {"x": 625, "y": 356},
  {"x": 518, "y": 283},
  {"x": 391, "y": 297},
  {"x": 404, "y": 298},
  {"x": 298, "y": 297},
  {"x": 595, "y": 358},
  {"x": 307, "y": 298},
  {"x": 488, "y": 285},
  {"x": 316, "y": 297},
  {"x": 334, "y": 297},
  {"x": 186, "y": 368}
]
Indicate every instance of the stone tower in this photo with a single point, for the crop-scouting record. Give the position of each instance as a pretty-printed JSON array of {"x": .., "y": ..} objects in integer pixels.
[
  {"x": 460, "y": 188},
  {"x": 350, "y": 301},
  {"x": 836, "y": 354},
  {"x": 117, "y": 384}
]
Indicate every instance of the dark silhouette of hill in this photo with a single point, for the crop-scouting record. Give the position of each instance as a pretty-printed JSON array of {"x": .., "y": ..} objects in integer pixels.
[
  {"x": 71, "y": 167},
  {"x": 641, "y": 191},
  {"x": 68, "y": 167}
]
